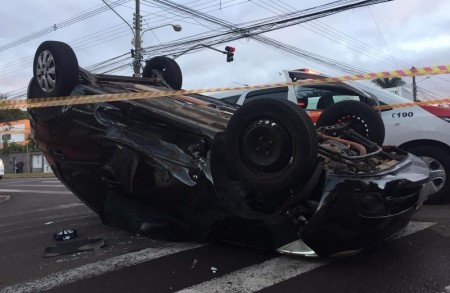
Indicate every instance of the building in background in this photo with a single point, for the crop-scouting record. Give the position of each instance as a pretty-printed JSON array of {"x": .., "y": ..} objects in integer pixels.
[
  {"x": 15, "y": 132},
  {"x": 29, "y": 160}
]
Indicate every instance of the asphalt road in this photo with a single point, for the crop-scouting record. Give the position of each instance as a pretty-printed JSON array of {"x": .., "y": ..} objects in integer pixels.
[{"x": 32, "y": 209}]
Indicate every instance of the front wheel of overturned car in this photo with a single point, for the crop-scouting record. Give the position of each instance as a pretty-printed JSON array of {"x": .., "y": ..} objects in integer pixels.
[
  {"x": 55, "y": 73},
  {"x": 271, "y": 144},
  {"x": 362, "y": 118},
  {"x": 55, "y": 69},
  {"x": 438, "y": 161},
  {"x": 167, "y": 67}
]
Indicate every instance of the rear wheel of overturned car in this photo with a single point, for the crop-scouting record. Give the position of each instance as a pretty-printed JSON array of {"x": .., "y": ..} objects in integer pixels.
[
  {"x": 55, "y": 73},
  {"x": 41, "y": 113},
  {"x": 167, "y": 67},
  {"x": 271, "y": 144},
  {"x": 362, "y": 118}
]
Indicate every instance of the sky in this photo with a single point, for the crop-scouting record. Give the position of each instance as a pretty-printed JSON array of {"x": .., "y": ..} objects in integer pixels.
[{"x": 393, "y": 35}]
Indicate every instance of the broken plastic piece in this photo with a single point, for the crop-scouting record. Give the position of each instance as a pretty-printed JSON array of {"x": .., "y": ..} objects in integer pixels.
[{"x": 65, "y": 234}]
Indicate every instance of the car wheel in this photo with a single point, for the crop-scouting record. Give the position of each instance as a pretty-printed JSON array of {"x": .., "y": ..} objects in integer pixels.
[
  {"x": 55, "y": 69},
  {"x": 363, "y": 119},
  {"x": 168, "y": 68},
  {"x": 438, "y": 160},
  {"x": 271, "y": 144},
  {"x": 42, "y": 113}
]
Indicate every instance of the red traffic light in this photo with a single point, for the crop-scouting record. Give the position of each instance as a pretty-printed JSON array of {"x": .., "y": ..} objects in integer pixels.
[{"x": 230, "y": 49}]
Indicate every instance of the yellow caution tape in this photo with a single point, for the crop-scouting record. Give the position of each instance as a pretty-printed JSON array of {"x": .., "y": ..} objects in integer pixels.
[
  {"x": 412, "y": 104},
  {"x": 77, "y": 100}
]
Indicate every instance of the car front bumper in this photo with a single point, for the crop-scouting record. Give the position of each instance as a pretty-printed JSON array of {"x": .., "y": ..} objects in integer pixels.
[{"x": 355, "y": 213}]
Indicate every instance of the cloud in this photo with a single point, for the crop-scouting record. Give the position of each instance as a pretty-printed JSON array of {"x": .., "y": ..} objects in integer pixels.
[{"x": 426, "y": 44}]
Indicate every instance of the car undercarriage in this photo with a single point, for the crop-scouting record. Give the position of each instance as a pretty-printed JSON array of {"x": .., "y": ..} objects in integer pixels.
[{"x": 195, "y": 168}]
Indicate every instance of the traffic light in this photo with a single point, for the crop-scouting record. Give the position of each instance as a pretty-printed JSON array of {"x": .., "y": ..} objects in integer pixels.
[{"x": 230, "y": 53}]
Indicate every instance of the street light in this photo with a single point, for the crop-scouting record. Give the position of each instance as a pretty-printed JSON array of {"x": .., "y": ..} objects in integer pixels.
[
  {"x": 136, "y": 53},
  {"x": 137, "y": 44},
  {"x": 176, "y": 27}
]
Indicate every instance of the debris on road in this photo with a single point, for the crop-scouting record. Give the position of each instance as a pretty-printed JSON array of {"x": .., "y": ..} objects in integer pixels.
[
  {"x": 74, "y": 247},
  {"x": 65, "y": 234}
]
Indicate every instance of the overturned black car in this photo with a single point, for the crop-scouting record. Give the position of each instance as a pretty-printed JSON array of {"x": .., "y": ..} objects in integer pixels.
[{"x": 195, "y": 168}]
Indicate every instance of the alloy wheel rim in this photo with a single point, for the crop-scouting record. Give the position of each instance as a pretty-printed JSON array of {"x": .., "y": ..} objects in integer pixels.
[
  {"x": 46, "y": 71},
  {"x": 437, "y": 173}
]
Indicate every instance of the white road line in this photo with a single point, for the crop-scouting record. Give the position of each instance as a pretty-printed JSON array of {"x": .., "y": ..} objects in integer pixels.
[
  {"x": 414, "y": 227},
  {"x": 249, "y": 279},
  {"x": 260, "y": 276},
  {"x": 4, "y": 198},
  {"x": 35, "y": 191},
  {"x": 19, "y": 180},
  {"x": 42, "y": 185},
  {"x": 271, "y": 272},
  {"x": 99, "y": 268},
  {"x": 53, "y": 219},
  {"x": 60, "y": 207}
]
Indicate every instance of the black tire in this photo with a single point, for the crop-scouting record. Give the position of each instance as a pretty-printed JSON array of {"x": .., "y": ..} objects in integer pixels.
[
  {"x": 271, "y": 144},
  {"x": 438, "y": 160},
  {"x": 364, "y": 119},
  {"x": 169, "y": 69},
  {"x": 55, "y": 69},
  {"x": 42, "y": 113}
]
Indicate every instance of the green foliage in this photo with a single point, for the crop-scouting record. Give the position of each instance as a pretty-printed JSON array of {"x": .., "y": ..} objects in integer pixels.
[
  {"x": 389, "y": 82},
  {"x": 11, "y": 115},
  {"x": 32, "y": 146},
  {"x": 12, "y": 147}
]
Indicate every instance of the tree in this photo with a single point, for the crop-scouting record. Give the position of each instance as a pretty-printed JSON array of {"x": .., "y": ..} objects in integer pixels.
[
  {"x": 11, "y": 115},
  {"x": 389, "y": 82}
]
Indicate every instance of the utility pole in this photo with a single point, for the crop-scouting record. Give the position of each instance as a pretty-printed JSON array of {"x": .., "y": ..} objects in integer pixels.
[
  {"x": 414, "y": 85},
  {"x": 137, "y": 40}
]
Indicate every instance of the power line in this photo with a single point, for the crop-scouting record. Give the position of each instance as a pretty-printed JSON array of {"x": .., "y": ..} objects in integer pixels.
[
  {"x": 60, "y": 25},
  {"x": 248, "y": 29},
  {"x": 102, "y": 36}
]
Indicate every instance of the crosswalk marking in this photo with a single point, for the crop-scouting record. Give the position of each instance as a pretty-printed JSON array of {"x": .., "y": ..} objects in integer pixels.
[
  {"x": 56, "y": 184},
  {"x": 59, "y": 207},
  {"x": 248, "y": 279},
  {"x": 99, "y": 268},
  {"x": 260, "y": 276},
  {"x": 414, "y": 227},
  {"x": 271, "y": 272},
  {"x": 35, "y": 191}
]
